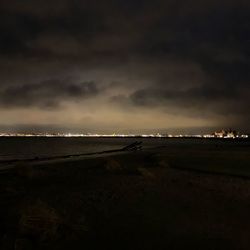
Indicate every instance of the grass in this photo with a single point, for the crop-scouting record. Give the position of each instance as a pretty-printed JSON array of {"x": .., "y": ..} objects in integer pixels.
[
  {"x": 25, "y": 171},
  {"x": 216, "y": 162},
  {"x": 112, "y": 166},
  {"x": 40, "y": 220}
]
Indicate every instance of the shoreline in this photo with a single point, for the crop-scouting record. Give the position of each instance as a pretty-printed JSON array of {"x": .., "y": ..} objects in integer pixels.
[
  {"x": 232, "y": 160},
  {"x": 10, "y": 164}
]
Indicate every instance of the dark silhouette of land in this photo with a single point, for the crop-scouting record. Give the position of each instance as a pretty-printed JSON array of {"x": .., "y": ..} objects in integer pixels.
[{"x": 178, "y": 197}]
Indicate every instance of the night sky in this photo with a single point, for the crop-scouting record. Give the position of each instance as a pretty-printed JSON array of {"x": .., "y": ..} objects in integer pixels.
[{"x": 124, "y": 66}]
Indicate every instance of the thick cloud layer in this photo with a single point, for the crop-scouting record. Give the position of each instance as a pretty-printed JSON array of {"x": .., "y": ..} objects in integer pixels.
[
  {"x": 48, "y": 94},
  {"x": 181, "y": 63}
]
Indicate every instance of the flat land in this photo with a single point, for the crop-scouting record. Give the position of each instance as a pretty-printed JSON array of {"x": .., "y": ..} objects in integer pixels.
[{"x": 162, "y": 198}]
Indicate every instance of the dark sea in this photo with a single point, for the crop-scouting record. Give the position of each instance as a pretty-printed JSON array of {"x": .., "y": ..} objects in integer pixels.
[{"x": 15, "y": 148}]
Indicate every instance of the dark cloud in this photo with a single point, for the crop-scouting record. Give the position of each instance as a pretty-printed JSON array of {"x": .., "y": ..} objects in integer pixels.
[
  {"x": 194, "y": 98},
  {"x": 187, "y": 55},
  {"x": 48, "y": 94}
]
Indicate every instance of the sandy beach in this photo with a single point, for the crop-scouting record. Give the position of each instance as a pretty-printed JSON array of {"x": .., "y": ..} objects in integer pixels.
[{"x": 161, "y": 198}]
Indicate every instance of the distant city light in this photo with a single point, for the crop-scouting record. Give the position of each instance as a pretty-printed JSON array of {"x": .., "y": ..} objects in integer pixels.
[{"x": 222, "y": 134}]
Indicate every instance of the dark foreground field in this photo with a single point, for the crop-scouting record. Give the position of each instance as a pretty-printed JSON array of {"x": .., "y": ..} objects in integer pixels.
[{"x": 185, "y": 198}]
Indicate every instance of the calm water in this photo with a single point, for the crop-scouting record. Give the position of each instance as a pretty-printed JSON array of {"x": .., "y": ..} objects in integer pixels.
[{"x": 31, "y": 147}]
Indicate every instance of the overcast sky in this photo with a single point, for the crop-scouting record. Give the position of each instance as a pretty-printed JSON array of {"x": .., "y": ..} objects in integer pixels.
[{"x": 124, "y": 66}]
